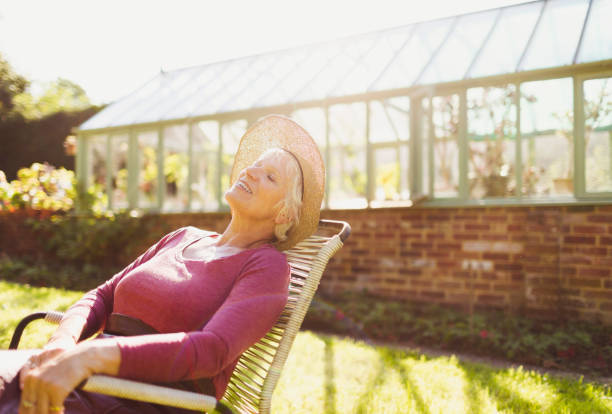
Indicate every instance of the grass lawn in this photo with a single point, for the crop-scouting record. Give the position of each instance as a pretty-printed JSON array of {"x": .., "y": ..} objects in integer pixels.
[{"x": 333, "y": 375}]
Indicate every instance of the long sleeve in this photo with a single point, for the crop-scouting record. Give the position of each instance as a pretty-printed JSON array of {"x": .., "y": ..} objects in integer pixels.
[
  {"x": 95, "y": 306},
  {"x": 251, "y": 308}
]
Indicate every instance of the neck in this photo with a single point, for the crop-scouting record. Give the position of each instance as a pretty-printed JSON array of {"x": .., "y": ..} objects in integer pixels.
[{"x": 246, "y": 235}]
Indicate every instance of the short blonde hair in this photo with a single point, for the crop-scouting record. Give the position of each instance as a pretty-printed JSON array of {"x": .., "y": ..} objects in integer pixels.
[{"x": 291, "y": 205}]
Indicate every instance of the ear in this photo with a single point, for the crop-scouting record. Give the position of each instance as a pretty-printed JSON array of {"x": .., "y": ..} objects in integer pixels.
[{"x": 282, "y": 217}]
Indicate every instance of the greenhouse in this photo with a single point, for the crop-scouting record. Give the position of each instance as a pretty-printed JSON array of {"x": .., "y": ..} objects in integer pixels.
[{"x": 508, "y": 106}]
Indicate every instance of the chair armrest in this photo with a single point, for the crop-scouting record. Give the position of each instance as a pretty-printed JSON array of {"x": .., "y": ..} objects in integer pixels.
[{"x": 156, "y": 394}]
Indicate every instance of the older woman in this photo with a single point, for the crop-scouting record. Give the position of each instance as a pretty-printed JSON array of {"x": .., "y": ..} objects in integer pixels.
[{"x": 206, "y": 297}]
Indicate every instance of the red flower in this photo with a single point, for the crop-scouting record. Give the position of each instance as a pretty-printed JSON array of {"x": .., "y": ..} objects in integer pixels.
[
  {"x": 484, "y": 334},
  {"x": 339, "y": 314}
]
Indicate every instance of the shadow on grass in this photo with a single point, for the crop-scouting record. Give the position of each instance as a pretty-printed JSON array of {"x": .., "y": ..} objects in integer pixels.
[
  {"x": 330, "y": 387},
  {"x": 393, "y": 360}
]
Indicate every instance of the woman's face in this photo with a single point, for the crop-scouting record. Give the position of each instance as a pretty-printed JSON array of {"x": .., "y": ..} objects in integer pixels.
[{"x": 261, "y": 186}]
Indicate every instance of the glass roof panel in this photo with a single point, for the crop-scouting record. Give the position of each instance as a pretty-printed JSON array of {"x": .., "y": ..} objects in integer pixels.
[
  {"x": 227, "y": 100},
  {"x": 230, "y": 82},
  {"x": 597, "y": 40},
  {"x": 556, "y": 37},
  {"x": 458, "y": 51},
  {"x": 370, "y": 66},
  {"x": 522, "y": 37},
  {"x": 105, "y": 117},
  {"x": 413, "y": 57},
  {"x": 349, "y": 56},
  {"x": 184, "y": 104},
  {"x": 176, "y": 87},
  {"x": 506, "y": 44},
  {"x": 268, "y": 80},
  {"x": 298, "y": 80}
]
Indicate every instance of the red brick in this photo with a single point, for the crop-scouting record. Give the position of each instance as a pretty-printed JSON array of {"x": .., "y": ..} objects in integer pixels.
[
  {"x": 606, "y": 306},
  {"x": 449, "y": 246},
  {"x": 595, "y": 272},
  {"x": 590, "y": 229},
  {"x": 600, "y": 218},
  {"x": 579, "y": 239},
  {"x": 477, "y": 227},
  {"x": 429, "y": 294},
  {"x": 496, "y": 256},
  {"x": 465, "y": 236},
  {"x": 508, "y": 266},
  {"x": 605, "y": 241},
  {"x": 491, "y": 298},
  {"x": 583, "y": 282},
  {"x": 515, "y": 227},
  {"x": 495, "y": 217}
]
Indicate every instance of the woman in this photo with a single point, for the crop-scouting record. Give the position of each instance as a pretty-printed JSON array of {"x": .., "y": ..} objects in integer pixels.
[{"x": 209, "y": 296}]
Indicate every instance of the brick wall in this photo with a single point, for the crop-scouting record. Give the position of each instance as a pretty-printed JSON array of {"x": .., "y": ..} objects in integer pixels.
[{"x": 552, "y": 262}]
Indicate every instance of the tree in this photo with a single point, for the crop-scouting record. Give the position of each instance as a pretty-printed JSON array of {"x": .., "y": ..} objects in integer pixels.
[
  {"x": 60, "y": 95},
  {"x": 11, "y": 85}
]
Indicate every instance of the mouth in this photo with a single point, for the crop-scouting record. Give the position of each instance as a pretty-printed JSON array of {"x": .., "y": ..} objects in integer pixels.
[{"x": 243, "y": 187}]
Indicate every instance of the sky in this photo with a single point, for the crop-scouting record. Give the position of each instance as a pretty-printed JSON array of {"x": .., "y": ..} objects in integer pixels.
[{"x": 112, "y": 47}]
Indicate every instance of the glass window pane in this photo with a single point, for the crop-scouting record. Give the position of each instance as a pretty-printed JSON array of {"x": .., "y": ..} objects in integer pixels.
[
  {"x": 231, "y": 132},
  {"x": 204, "y": 186},
  {"x": 445, "y": 117},
  {"x": 98, "y": 163},
  {"x": 391, "y": 175},
  {"x": 458, "y": 51},
  {"x": 176, "y": 168},
  {"x": 411, "y": 59},
  {"x": 597, "y": 40},
  {"x": 598, "y": 134},
  {"x": 390, "y": 120},
  {"x": 508, "y": 40},
  {"x": 547, "y": 137},
  {"x": 491, "y": 141},
  {"x": 119, "y": 172},
  {"x": 147, "y": 176},
  {"x": 425, "y": 126},
  {"x": 556, "y": 37},
  {"x": 347, "y": 166}
]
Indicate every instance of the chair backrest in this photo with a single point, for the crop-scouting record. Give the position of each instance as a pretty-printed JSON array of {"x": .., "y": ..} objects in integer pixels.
[{"x": 258, "y": 370}]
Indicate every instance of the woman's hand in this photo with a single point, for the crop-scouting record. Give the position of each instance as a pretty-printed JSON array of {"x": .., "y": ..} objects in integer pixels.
[
  {"x": 50, "y": 351},
  {"x": 46, "y": 386}
]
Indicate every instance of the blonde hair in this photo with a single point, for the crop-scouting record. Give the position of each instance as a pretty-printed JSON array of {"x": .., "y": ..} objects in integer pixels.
[{"x": 291, "y": 205}]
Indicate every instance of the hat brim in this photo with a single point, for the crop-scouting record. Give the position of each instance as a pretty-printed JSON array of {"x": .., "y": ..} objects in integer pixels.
[{"x": 277, "y": 131}]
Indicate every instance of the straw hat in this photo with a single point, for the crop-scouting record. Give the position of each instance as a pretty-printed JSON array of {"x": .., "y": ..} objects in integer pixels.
[{"x": 277, "y": 131}]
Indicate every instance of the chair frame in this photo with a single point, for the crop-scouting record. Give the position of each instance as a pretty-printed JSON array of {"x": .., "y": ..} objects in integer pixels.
[{"x": 259, "y": 368}]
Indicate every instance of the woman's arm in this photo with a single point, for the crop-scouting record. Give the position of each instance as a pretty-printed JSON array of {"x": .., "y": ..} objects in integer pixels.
[
  {"x": 251, "y": 308},
  {"x": 89, "y": 314}
]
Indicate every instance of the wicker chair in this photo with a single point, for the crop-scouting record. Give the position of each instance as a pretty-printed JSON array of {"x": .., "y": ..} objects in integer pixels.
[{"x": 259, "y": 368}]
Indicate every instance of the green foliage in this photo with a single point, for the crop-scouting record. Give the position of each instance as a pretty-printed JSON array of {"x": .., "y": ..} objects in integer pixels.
[
  {"x": 572, "y": 345},
  {"x": 11, "y": 85},
  {"x": 101, "y": 240},
  {"x": 29, "y": 271},
  {"x": 57, "y": 96}
]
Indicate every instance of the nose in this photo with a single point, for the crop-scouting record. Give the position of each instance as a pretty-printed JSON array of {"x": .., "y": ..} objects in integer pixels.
[{"x": 252, "y": 172}]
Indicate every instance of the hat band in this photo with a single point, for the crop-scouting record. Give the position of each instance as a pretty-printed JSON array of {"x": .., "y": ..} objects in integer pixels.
[{"x": 299, "y": 166}]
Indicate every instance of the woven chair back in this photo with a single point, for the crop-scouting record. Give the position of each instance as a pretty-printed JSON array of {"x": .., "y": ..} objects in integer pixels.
[{"x": 258, "y": 370}]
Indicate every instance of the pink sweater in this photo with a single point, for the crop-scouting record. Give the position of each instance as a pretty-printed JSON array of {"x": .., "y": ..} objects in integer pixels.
[{"x": 239, "y": 298}]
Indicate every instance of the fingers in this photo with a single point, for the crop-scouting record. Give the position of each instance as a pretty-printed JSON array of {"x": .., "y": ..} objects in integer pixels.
[
  {"x": 42, "y": 404},
  {"x": 41, "y": 395}
]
